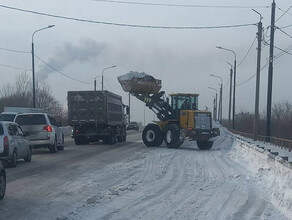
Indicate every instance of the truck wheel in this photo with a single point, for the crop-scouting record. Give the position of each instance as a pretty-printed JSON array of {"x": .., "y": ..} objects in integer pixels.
[
  {"x": 112, "y": 138},
  {"x": 205, "y": 145},
  {"x": 172, "y": 137},
  {"x": 123, "y": 137},
  {"x": 84, "y": 141},
  {"x": 77, "y": 140},
  {"x": 152, "y": 135}
]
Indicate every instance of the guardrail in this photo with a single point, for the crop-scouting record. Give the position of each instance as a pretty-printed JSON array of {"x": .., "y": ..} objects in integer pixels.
[{"x": 280, "y": 142}]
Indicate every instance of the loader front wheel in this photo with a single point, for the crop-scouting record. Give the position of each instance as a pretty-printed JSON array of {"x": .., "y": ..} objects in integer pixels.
[
  {"x": 205, "y": 145},
  {"x": 173, "y": 137},
  {"x": 152, "y": 136}
]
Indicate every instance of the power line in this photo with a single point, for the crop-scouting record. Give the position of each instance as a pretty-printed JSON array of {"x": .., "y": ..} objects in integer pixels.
[
  {"x": 284, "y": 51},
  {"x": 247, "y": 52},
  {"x": 284, "y": 32},
  {"x": 14, "y": 67},
  {"x": 283, "y": 13},
  {"x": 286, "y": 26},
  {"x": 16, "y": 51},
  {"x": 181, "y": 5},
  {"x": 123, "y": 24},
  {"x": 61, "y": 72}
]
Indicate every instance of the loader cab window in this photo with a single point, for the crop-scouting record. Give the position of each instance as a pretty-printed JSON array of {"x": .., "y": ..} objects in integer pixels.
[{"x": 184, "y": 102}]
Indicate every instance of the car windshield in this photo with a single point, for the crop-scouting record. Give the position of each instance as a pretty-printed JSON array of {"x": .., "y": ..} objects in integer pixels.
[
  {"x": 33, "y": 119},
  {"x": 1, "y": 130},
  {"x": 7, "y": 117}
]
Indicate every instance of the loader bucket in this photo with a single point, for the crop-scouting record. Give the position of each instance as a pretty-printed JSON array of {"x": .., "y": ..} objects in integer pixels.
[{"x": 139, "y": 83}]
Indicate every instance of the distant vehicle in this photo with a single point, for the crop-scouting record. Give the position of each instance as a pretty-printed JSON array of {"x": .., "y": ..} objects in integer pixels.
[
  {"x": 43, "y": 130},
  {"x": 13, "y": 144},
  {"x": 10, "y": 113},
  {"x": 133, "y": 125},
  {"x": 2, "y": 181},
  {"x": 96, "y": 115}
]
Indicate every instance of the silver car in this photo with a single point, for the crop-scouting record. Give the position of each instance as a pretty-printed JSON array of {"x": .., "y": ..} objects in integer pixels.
[
  {"x": 13, "y": 143},
  {"x": 42, "y": 130}
]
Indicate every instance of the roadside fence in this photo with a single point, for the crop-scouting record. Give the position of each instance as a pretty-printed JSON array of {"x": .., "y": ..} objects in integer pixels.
[{"x": 280, "y": 142}]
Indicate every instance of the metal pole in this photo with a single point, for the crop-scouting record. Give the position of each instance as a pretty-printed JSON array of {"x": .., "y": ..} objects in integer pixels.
[
  {"x": 234, "y": 84},
  {"x": 129, "y": 107},
  {"x": 102, "y": 74},
  {"x": 221, "y": 103},
  {"x": 270, "y": 77},
  {"x": 33, "y": 76},
  {"x": 214, "y": 112},
  {"x": 94, "y": 84},
  {"x": 216, "y": 118},
  {"x": 102, "y": 81},
  {"x": 256, "y": 116},
  {"x": 230, "y": 96},
  {"x": 33, "y": 69}
]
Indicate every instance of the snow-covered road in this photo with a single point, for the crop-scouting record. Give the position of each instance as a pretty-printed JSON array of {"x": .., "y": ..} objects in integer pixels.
[
  {"x": 161, "y": 183},
  {"x": 233, "y": 180}
]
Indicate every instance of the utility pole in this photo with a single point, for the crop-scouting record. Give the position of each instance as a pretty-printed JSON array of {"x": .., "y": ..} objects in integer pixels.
[
  {"x": 221, "y": 102},
  {"x": 216, "y": 119},
  {"x": 214, "y": 109},
  {"x": 256, "y": 115},
  {"x": 230, "y": 96},
  {"x": 234, "y": 84},
  {"x": 129, "y": 107},
  {"x": 270, "y": 77}
]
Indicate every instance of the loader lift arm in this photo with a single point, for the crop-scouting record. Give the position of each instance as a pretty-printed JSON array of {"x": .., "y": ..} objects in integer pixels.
[{"x": 157, "y": 104}]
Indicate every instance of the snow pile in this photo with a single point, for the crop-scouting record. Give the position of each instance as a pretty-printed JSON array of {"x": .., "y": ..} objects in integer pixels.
[
  {"x": 131, "y": 75},
  {"x": 271, "y": 173}
]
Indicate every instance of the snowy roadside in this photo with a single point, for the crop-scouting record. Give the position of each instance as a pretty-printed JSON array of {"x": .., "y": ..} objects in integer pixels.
[
  {"x": 161, "y": 183},
  {"x": 271, "y": 172}
]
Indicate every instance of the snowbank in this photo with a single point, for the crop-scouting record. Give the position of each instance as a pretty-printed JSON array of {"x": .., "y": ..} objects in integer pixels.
[{"x": 272, "y": 173}]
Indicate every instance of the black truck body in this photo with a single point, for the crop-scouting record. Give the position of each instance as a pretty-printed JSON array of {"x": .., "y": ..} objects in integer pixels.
[{"x": 96, "y": 115}]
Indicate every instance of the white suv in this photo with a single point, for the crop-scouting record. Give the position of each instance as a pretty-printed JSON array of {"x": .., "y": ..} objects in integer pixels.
[{"x": 42, "y": 130}]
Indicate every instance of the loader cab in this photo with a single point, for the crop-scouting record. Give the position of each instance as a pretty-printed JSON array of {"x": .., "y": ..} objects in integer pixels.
[{"x": 184, "y": 101}]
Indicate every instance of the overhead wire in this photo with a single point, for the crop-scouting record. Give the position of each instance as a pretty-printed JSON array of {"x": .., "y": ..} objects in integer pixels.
[
  {"x": 182, "y": 5},
  {"x": 247, "y": 52},
  {"x": 284, "y": 32},
  {"x": 283, "y": 13},
  {"x": 14, "y": 67},
  {"x": 124, "y": 24},
  {"x": 61, "y": 72},
  {"x": 16, "y": 51}
]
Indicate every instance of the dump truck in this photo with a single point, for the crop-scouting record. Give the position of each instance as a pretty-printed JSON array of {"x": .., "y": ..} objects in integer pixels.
[
  {"x": 179, "y": 117},
  {"x": 97, "y": 115}
]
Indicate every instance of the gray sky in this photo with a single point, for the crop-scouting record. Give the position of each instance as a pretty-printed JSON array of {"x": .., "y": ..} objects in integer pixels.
[{"x": 182, "y": 59}]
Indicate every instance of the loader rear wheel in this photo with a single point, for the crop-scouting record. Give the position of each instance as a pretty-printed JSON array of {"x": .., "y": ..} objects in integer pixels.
[
  {"x": 152, "y": 135},
  {"x": 205, "y": 145},
  {"x": 173, "y": 138}
]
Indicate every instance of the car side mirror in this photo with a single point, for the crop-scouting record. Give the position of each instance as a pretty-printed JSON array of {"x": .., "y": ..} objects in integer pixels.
[{"x": 60, "y": 124}]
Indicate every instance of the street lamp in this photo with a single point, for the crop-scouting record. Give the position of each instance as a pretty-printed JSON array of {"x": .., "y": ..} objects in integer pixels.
[
  {"x": 95, "y": 82},
  {"x": 220, "y": 102},
  {"x": 230, "y": 94},
  {"x": 234, "y": 83},
  {"x": 102, "y": 74},
  {"x": 215, "y": 104},
  {"x": 32, "y": 53}
]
